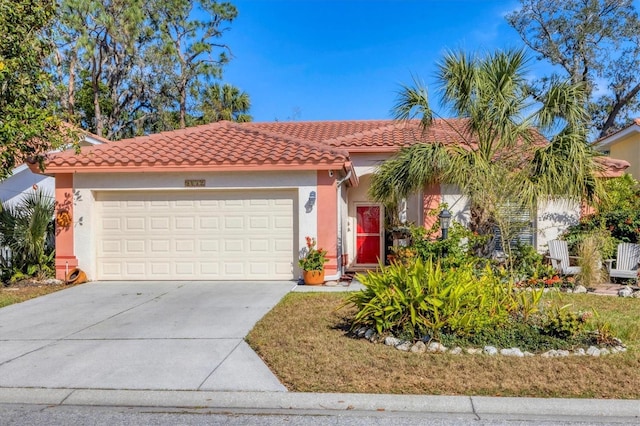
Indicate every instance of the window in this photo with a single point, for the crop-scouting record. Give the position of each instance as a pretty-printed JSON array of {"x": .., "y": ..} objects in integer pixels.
[{"x": 519, "y": 223}]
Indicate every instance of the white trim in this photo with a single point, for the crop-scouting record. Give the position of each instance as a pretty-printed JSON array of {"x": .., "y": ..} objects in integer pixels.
[
  {"x": 610, "y": 140},
  {"x": 92, "y": 141}
]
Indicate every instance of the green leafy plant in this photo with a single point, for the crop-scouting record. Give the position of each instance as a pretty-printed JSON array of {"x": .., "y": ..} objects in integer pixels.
[
  {"x": 26, "y": 228},
  {"x": 562, "y": 323},
  {"x": 401, "y": 254},
  {"x": 458, "y": 249},
  {"x": 423, "y": 298},
  {"x": 314, "y": 259},
  {"x": 617, "y": 218}
]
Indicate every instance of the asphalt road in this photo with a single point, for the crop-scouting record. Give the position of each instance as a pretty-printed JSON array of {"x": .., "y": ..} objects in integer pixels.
[{"x": 32, "y": 415}]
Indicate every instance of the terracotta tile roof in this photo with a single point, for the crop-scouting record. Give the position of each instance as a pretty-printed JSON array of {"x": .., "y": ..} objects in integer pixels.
[
  {"x": 269, "y": 146},
  {"x": 369, "y": 135},
  {"x": 378, "y": 135},
  {"x": 612, "y": 167},
  {"x": 220, "y": 145}
]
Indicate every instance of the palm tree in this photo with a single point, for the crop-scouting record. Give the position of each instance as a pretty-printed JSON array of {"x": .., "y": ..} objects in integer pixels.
[
  {"x": 26, "y": 228},
  {"x": 500, "y": 159},
  {"x": 225, "y": 102}
]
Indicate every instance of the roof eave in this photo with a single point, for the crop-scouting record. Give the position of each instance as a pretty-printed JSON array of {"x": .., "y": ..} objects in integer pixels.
[
  {"x": 52, "y": 169},
  {"x": 607, "y": 141},
  {"x": 350, "y": 171},
  {"x": 373, "y": 149}
]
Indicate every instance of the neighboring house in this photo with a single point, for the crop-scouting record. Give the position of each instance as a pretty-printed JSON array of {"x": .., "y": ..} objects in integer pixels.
[
  {"x": 23, "y": 180},
  {"x": 625, "y": 145},
  {"x": 236, "y": 200}
]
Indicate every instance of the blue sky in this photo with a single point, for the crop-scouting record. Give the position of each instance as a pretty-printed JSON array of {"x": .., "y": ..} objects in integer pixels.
[{"x": 340, "y": 60}]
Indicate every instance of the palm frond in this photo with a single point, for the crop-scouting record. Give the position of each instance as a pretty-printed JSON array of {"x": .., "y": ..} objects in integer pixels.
[
  {"x": 412, "y": 102},
  {"x": 408, "y": 171}
]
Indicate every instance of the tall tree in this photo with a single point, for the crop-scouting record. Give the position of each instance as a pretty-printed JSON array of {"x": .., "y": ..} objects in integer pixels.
[
  {"x": 224, "y": 102},
  {"x": 99, "y": 57},
  {"x": 28, "y": 124},
  {"x": 126, "y": 67},
  {"x": 499, "y": 161},
  {"x": 597, "y": 43},
  {"x": 189, "y": 47}
]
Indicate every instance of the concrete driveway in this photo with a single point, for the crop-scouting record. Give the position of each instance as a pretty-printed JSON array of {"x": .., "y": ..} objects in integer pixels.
[{"x": 139, "y": 335}]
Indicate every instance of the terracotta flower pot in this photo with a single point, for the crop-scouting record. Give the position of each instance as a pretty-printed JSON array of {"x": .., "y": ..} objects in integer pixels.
[{"x": 313, "y": 277}]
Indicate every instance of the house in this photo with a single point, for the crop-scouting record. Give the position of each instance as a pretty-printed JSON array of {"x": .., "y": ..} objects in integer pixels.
[
  {"x": 23, "y": 179},
  {"x": 625, "y": 145},
  {"x": 236, "y": 200}
]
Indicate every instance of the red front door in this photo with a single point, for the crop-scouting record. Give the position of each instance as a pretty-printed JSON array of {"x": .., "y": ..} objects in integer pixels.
[{"x": 368, "y": 234}]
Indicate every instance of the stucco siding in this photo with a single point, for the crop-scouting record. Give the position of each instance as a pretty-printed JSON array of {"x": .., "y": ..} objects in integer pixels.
[
  {"x": 86, "y": 186},
  {"x": 554, "y": 217},
  {"x": 628, "y": 149},
  {"x": 365, "y": 164},
  {"x": 457, "y": 203}
]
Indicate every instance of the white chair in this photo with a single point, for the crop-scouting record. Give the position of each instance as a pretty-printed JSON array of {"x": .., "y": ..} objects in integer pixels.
[
  {"x": 559, "y": 255},
  {"x": 626, "y": 262}
]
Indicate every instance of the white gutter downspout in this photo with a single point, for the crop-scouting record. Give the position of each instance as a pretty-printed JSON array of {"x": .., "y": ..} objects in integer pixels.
[{"x": 340, "y": 266}]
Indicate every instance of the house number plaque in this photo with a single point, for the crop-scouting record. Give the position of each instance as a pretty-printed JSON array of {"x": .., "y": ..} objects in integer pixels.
[{"x": 193, "y": 183}]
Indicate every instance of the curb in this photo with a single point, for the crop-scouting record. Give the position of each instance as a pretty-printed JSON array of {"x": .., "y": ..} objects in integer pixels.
[{"x": 474, "y": 406}]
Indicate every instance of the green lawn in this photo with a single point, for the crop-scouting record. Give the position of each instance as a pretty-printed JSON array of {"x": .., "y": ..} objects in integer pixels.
[
  {"x": 303, "y": 340},
  {"x": 11, "y": 295}
]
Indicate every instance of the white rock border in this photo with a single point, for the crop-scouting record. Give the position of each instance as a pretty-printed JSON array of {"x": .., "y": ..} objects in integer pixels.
[{"x": 436, "y": 347}]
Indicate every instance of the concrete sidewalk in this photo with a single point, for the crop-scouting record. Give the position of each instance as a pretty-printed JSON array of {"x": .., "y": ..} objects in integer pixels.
[{"x": 474, "y": 407}]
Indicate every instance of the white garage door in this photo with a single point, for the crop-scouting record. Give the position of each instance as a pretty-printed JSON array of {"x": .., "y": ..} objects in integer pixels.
[{"x": 195, "y": 235}]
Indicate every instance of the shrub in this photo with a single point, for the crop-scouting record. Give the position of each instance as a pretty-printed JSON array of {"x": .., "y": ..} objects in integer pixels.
[
  {"x": 26, "y": 228},
  {"x": 458, "y": 249},
  {"x": 425, "y": 299},
  {"x": 562, "y": 323},
  {"x": 590, "y": 259},
  {"x": 529, "y": 266},
  {"x": 514, "y": 333},
  {"x": 617, "y": 218}
]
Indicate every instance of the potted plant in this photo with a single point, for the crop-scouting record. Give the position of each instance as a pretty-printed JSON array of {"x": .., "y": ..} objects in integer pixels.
[{"x": 312, "y": 263}]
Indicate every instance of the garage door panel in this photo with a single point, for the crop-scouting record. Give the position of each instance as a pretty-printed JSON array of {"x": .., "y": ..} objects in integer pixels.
[
  {"x": 207, "y": 223},
  {"x": 185, "y": 247},
  {"x": 209, "y": 246},
  {"x": 159, "y": 223},
  {"x": 134, "y": 205},
  {"x": 282, "y": 222},
  {"x": 159, "y": 268},
  {"x": 107, "y": 247},
  {"x": 258, "y": 246},
  {"x": 135, "y": 268},
  {"x": 196, "y": 235},
  {"x": 259, "y": 222},
  {"x": 111, "y": 223},
  {"x": 233, "y": 223},
  {"x": 233, "y": 246},
  {"x": 133, "y": 247}
]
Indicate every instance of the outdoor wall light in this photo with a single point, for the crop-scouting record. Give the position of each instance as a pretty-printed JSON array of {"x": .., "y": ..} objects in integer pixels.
[
  {"x": 445, "y": 220},
  {"x": 310, "y": 202}
]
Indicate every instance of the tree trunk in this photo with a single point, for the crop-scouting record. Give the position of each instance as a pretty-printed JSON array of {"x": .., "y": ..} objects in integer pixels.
[
  {"x": 183, "y": 104},
  {"x": 71, "y": 91},
  {"x": 97, "y": 115}
]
